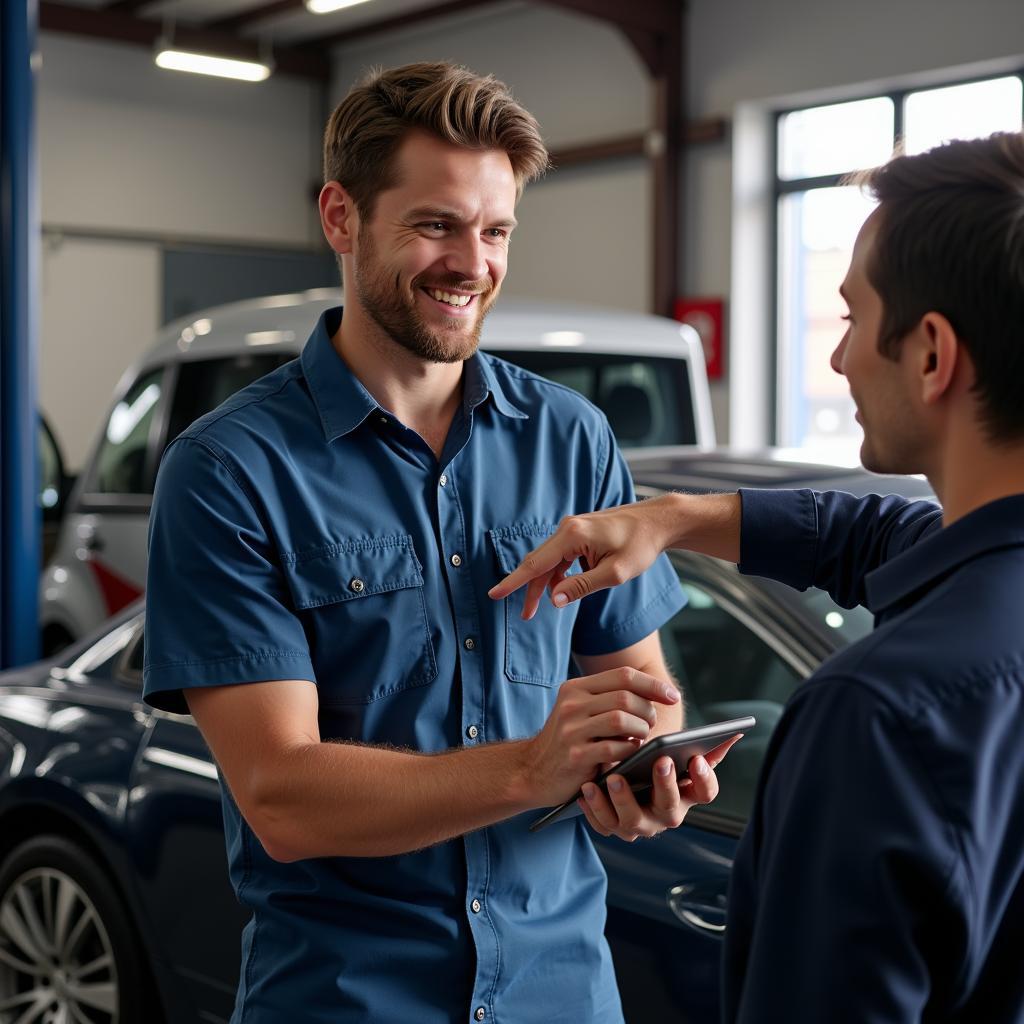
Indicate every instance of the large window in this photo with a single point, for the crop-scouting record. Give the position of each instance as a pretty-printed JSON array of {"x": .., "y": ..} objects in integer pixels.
[{"x": 818, "y": 219}]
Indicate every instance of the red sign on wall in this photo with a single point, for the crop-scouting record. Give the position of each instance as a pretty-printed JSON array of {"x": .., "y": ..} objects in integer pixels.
[{"x": 707, "y": 318}]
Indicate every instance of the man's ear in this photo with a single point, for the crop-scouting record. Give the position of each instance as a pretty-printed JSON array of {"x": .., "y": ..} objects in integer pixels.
[
  {"x": 338, "y": 217},
  {"x": 938, "y": 356}
]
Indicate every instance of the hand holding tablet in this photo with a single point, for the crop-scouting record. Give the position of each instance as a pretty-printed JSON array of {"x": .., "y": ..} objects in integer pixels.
[{"x": 637, "y": 769}]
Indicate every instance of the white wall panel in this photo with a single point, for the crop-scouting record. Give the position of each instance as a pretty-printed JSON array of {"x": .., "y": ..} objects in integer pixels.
[
  {"x": 126, "y": 146},
  {"x": 100, "y": 303}
]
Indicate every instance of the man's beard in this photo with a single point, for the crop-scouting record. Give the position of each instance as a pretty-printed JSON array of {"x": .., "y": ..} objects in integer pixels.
[{"x": 380, "y": 293}]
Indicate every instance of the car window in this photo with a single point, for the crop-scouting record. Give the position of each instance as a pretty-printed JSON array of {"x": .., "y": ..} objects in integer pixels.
[
  {"x": 203, "y": 384},
  {"x": 51, "y": 470},
  {"x": 850, "y": 623},
  {"x": 123, "y": 465},
  {"x": 726, "y": 671},
  {"x": 646, "y": 398}
]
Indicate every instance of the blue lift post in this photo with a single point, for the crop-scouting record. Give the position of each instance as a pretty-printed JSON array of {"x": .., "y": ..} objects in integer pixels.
[{"x": 20, "y": 517}]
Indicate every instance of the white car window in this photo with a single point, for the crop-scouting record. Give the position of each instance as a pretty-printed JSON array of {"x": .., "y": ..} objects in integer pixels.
[{"x": 123, "y": 465}]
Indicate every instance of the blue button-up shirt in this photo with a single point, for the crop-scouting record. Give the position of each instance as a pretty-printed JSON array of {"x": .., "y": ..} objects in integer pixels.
[
  {"x": 301, "y": 532},
  {"x": 881, "y": 877}
]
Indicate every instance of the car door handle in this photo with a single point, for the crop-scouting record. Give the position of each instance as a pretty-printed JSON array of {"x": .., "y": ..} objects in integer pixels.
[{"x": 700, "y": 906}]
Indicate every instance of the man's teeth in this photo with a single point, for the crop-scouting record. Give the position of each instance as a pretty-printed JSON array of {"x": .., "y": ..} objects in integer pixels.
[{"x": 452, "y": 300}]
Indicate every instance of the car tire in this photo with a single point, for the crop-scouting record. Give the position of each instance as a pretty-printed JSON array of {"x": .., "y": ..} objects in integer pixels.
[{"x": 60, "y": 914}]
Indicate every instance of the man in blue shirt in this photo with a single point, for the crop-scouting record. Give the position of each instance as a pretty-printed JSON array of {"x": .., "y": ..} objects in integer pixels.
[
  {"x": 881, "y": 876},
  {"x": 321, "y": 548}
]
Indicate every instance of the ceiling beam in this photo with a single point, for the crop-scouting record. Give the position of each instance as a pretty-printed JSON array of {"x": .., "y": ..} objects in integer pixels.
[
  {"x": 400, "y": 21},
  {"x": 126, "y": 6},
  {"x": 233, "y": 22},
  {"x": 303, "y": 62},
  {"x": 640, "y": 15}
]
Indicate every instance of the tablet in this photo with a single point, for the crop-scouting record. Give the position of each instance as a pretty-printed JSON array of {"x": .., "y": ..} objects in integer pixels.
[{"x": 637, "y": 769}]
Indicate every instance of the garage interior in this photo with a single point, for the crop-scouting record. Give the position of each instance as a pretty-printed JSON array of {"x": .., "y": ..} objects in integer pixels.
[{"x": 683, "y": 184}]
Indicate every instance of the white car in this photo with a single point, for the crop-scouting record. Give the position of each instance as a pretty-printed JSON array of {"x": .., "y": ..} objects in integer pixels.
[{"x": 647, "y": 374}]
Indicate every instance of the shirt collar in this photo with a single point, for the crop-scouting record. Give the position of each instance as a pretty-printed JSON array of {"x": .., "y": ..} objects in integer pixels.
[
  {"x": 480, "y": 381},
  {"x": 999, "y": 524},
  {"x": 343, "y": 403}
]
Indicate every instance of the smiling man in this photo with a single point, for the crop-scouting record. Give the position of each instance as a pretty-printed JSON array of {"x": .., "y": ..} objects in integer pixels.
[
  {"x": 321, "y": 550},
  {"x": 881, "y": 876}
]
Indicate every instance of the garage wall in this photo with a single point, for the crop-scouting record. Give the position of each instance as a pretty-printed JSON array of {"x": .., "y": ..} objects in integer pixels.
[
  {"x": 128, "y": 155},
  {"x": 100, "y": 308},
  {"x": 748, "y": 57},
  {"x": 583, "y": 232}
]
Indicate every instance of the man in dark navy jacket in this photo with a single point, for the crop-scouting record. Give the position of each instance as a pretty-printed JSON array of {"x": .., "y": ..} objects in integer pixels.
[{"x": 880, "y": 877}]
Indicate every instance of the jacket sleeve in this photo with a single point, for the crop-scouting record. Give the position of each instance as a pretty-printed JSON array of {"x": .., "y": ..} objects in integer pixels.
[
  {"x": 849, "y": 901},
  {"x": 828, "y": 539}
]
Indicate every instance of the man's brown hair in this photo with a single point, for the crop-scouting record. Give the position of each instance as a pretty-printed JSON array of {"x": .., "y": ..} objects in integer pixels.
[
  {"x": 446, "y": 100},
  {"x": 950, "y": 240}
]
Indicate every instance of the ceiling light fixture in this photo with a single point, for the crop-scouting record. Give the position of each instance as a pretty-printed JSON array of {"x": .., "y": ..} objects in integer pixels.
[
  {"x": 207, "y": 64},
  {"x": 326, "y": 6},
  {"x": 172, "y": 58}
]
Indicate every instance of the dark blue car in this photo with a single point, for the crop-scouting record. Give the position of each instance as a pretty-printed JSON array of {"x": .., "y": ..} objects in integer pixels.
[{"x": 115, "y": 906}]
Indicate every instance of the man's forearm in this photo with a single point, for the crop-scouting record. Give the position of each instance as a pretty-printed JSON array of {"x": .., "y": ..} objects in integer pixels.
[
  {"x": 340, "y": 799},
  {"x": 706, "y": 523}
]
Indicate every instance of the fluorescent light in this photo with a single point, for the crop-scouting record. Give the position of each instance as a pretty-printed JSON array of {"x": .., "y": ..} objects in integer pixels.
[
  {"x": 206, "y": 64},
  {"x": 326, "y": 6}
]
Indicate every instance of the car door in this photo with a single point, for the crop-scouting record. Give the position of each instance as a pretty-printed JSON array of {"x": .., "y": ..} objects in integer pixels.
[
  {"x": 667, "y": 898},
  {"x": 175, "y": 822},
  {"x": 99, "y": 565}
]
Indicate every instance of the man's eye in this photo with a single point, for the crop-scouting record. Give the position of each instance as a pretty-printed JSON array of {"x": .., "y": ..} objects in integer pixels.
[
  {"x": 497, "y": 233},
  {"x": 435, "y": 225}
]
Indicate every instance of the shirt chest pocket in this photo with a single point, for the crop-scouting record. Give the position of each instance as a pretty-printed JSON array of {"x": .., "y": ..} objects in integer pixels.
[
  {"x": 538, "y": 651},
  {"x": 366, "y": 617}
]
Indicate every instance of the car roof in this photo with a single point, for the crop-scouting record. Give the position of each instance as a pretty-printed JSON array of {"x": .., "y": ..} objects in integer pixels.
[
  {"x": 284, "y": 322},
  {"x": 688, "y": 468}
]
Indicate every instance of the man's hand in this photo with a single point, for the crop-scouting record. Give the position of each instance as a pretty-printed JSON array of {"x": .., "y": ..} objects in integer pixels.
[
  {"x": 616, "y": 545},
  {"x": 622, "y": 816},
  {"x": 596, "y": 720}
]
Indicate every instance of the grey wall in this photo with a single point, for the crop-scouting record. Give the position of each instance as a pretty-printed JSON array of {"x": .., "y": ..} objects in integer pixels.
[{"x": 129, "y": 155}]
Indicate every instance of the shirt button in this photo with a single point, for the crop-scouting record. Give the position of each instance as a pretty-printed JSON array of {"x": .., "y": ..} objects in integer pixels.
[
  {"x": 444, "y": 479},
  {"x": 456, "y": 560},
  {"x": 357, "y": 585},
  {"x": 476, "y": 906},
  {"x": 472, "y": 732},
  {"x": 480, "y": 1013},
  {"x": 469, "y": 643}
]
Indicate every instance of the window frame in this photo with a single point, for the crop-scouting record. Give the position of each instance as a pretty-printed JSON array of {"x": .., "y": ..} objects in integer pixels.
[{"x": 783, "y": 187}]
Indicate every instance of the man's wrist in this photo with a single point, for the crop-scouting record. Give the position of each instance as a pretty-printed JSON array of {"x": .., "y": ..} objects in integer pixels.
[
  {"x": 518, "y": 779},
  {"x": 707, "y": 523}
]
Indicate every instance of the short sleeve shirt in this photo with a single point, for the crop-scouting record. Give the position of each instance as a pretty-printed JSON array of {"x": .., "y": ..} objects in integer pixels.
[{"x": 302, "y": 532}]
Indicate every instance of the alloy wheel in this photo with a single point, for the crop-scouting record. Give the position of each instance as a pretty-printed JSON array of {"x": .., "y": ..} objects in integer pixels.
[{"x": 56, "y": 959}]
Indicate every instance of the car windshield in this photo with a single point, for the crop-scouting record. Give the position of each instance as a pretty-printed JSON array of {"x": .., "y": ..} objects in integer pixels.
[{"x": 646, "y": 398}]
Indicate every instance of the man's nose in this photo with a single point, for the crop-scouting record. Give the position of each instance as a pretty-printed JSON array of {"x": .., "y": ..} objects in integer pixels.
[
  {"x": 836, "y": 361},
  {"x": 467, "y": 257}
]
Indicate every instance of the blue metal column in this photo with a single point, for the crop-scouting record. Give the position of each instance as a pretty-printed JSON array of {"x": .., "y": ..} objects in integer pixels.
[{"x": 19, "y": 277}]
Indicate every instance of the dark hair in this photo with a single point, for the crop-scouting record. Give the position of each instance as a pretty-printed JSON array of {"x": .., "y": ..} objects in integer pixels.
[
  {"x": 446, "y": 100},
  {"x": 950, "y": 240}
]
